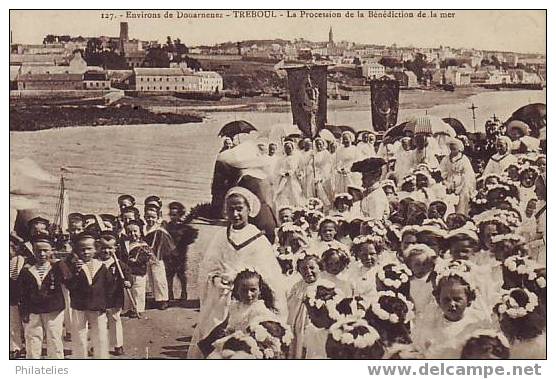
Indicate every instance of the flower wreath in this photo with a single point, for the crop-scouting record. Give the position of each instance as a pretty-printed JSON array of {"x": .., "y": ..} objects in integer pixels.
[
  {"x": 328, "y": 219},
  {"x": 384, "y": 315},
  {"x": 343, "y": 195},
  {"x": 303, "y": 253},
  {"x": 457, "y": 272},
  {"x": 510, "y": 307},
  {"x": 508, "y": 237},
  {"x": 402, "y": 272},
  {"x": 492, "y": 334},
  {"x": 376, "y": 226},
  {"x": 355, "y": 309},
  {"x": 411, "y": 178},
  {"x": 366, "y": 238},
  {"x": 241, "y": 337},
  {"x": 314, "y": 203},
  {"x": 528, "y": 167},
  {"x": 262, "y": 335},
  {"x": 312, "y": 294},
  {"x": 290, "y": 227},
  {"x": 523, "y": 266},
  {"x": 342, "y": 332},
  {"x": 502, "y": 216}
]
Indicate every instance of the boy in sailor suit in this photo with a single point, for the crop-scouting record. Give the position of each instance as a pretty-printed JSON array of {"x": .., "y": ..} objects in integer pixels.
[
  {"x": 17, "y": 262},
  {"x": 42, "y": 301},
  {"x": 89, "y": 288}
]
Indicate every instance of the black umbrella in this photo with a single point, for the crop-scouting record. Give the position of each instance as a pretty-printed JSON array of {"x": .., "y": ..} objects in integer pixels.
[
  {"x": 456, "y": 124},
  {"x": 533, "y": 115},
  {"x": 234, "y": 128},
  {"x": 396, "y": 132}
]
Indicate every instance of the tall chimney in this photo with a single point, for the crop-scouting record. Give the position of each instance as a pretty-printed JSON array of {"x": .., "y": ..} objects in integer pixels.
[{"x": 124, "y": 35}]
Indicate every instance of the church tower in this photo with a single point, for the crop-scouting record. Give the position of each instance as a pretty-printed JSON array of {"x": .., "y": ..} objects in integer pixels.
[{"x": 330, "y": 36}]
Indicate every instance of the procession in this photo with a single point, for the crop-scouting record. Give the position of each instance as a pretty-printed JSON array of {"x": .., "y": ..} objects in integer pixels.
[
  {"x": 337, "y": 246},
  {"x": 250, "y": 189}
]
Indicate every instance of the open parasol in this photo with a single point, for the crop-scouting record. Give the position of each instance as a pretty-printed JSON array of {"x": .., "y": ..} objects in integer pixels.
[
  {"x": 234, "y": 128},
  {"x": 533, "y": 115},
  {"x": 456, "y": 124}
]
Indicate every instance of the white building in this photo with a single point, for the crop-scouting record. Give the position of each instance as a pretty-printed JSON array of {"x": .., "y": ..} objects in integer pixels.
[
  {"x": 373, "y": 70},
  {"x": 175, "y": 79},
  {"x": 210, "y": 81}
]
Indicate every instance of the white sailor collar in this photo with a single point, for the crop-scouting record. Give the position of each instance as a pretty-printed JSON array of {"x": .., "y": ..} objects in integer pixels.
[
  {"x": 33, "y": 270},
  {"x": 91, "y": 275}
]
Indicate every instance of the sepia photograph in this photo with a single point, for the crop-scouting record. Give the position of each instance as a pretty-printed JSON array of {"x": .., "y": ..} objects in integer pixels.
[{"x": 278, "y": 184}]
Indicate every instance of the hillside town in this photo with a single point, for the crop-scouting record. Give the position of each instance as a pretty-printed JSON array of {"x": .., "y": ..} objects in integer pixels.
[{"x": 125, "y": 65}]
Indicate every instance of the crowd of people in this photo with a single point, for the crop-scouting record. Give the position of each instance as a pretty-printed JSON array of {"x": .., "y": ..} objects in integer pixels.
[
  {"x": 343, "y": 249},
  {"x": 71, "y": 287},
  {"x": 393, "y": 250}
]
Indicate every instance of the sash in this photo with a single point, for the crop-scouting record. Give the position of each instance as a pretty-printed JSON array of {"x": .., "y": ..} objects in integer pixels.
[{"x": 243, "y": 244}]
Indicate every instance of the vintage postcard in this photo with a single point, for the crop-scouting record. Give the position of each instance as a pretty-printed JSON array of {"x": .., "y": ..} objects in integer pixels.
[{"x": 277, "y": 184}]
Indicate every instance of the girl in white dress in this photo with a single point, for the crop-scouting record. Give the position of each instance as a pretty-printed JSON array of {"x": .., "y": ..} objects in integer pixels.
[
  {"x": 288, "y": 189},
  {"x": 346, "y": 155},
  {"x": 459, "y": 176},
  {"x": 443, "y": 331},
  {"x": 318, "y": 168}
]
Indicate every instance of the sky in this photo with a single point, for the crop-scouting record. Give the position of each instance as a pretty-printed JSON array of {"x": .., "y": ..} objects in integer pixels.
[{"x": 519, "y": 31}]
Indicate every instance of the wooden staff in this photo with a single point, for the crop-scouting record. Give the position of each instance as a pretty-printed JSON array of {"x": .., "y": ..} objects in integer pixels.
[{"x": 128, "y": 290}]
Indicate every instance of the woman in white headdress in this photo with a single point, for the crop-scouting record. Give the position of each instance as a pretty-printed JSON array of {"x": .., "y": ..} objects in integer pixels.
[
  {"x": 458, "y": 175},
  {"x": 503, "y": 158},
  {"x": 289, "y": 172},
  {"x": 346, "y": 155},
  {"x": 239, "y": 245}
]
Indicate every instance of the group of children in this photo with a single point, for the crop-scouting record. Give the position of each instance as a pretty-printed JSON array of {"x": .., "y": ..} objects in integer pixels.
[
  {"x": 74, "y": 285},
  {"x": 450, "y": 271}
]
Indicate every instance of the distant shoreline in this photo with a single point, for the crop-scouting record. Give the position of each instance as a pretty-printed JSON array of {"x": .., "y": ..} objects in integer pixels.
[{"x": 171, "y": 110}]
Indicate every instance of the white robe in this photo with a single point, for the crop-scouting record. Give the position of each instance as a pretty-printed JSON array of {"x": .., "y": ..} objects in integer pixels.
[
  {"x": 459, "y": 177},
  {"x": 288, "y": 188},
  {"x": 375, "y": 205},
  {"x": 498, "y": 164},
  {"x": 318, "y": 183},
  {"x": 222, "y": 258},
  {"x": 343, "y": 177}
]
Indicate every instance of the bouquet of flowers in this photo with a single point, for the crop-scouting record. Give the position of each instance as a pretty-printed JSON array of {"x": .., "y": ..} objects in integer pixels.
[
  {"x": 353, "y": 339},
  {"x": 391, "y": 314},
  {"x": 517, "y": 270},
  {"x": 236, "y": 346},
  {"x": 394, "y": 277},
  {"x": 346, "y": 308},
  {"x": 272, "y": 336},
  {"x": 319, "y": 295}
]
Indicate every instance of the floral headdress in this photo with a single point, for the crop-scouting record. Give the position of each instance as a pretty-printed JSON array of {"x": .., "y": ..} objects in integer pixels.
[
  {"x": 411, "y": 178},
  {"x": 374, "y": 305},
  {"x": 447, "y": 267},
  {"x": 375, "y": 227},
  {"x": 502, "y": 216},
  {"x": 399, "y": 271},
  {"x": 344, "y": 195},
  {"x": 354, "y": 332},
  {"x": 524, "y": 266},
  {"x": 388, "y": 183},
  {"x": 510, "y": 307},
  {"x": 528, "y": 167},
  {"x": 367, "y": 238},
  {"x": 328, "y": 219},
  {"x": 508, "y": 237},
  {"x": 314, "y": 204}
]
